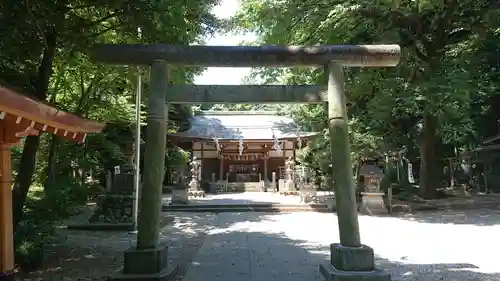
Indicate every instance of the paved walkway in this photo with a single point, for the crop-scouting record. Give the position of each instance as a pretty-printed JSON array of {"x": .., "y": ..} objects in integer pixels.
[
  {"x": 290, "y": 246},
  {"x": 251, "y": 256}
]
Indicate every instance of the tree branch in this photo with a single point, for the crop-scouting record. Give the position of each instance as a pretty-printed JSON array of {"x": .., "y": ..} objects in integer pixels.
[
  {"x": 41, "y": 33},
  {"x": 105, "y": 30}
]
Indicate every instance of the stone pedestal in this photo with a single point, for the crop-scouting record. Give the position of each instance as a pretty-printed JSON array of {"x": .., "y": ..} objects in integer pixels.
[
  {"x": 195, "y": 190},
  {"x": 352, "y": 264},
  {"x": 330, "y": 203},
  {"x": 113, "y": 208},
  {"x": 145, "y": 265},
  {"x": 179, "y": 195},
  {"x": 116, "y": 206},
  {"x": 288, "y": 188},
  {"x": 372, "y": 203}
]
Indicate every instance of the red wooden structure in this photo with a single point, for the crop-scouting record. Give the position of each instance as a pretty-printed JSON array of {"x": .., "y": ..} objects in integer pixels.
[{"x": 22, "y": 116}]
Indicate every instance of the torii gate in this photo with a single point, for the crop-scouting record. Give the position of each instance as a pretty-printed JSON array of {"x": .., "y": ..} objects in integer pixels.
[{"x": 349, "y": 257}]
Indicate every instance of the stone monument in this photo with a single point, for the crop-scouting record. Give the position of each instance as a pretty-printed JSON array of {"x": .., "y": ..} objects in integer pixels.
[
  {"x": 372, "y": 200},
  {"x": 194, "y": 184},
  {"x": 179, "y": 189},
  {"x": 116, "y": 206},
  {"x": 307, "y": 189}
]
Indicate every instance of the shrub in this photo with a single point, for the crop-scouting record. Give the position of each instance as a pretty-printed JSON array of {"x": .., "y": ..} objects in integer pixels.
[{"x": 42, "y": 212}]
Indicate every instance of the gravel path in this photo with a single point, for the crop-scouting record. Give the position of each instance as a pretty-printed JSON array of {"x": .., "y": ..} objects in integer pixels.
[
  {"x": 96, "y": 254},
  {"x": 426, "y": 246}
]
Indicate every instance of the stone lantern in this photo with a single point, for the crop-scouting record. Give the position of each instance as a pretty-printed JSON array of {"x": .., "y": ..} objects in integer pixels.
[
  {"x": 194, "y": 184},
  {"x": 372, "y": 201},
  {"x": 289, "y": 184}
]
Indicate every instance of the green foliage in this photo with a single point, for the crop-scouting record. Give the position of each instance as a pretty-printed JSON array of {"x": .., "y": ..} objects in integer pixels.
[
  {"x": 45, "y": 54},
  {"x": 317, "y": 154},
  {"x": 444, "y": 75}
]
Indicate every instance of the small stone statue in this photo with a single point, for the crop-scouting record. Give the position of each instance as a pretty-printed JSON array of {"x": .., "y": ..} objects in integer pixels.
[
  {"x": 290, "y": 166},
  {"x": 194, "y": 185},
  {"x": 289, "y": 184}
]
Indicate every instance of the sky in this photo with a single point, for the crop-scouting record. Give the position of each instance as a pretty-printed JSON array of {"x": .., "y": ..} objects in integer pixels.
[{"x": 225, "y": 75}]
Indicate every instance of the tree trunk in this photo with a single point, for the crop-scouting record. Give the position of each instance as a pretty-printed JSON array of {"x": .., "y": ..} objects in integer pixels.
[
  {"x": 429, "y": 178},
  {"x": 28, "y": 158},
  {"x": 51, "y": 164},
  {"x": 24, "y": 177},
  {"x": 403, "y": 173}
]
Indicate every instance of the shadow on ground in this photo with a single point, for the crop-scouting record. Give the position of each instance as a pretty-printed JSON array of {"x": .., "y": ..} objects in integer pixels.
[
  {"x": 480, "y": 217},
  {"x": 266, "y": 253},
  {"x": 91, "y": 255},
  {"x": 236, "y": 250}
]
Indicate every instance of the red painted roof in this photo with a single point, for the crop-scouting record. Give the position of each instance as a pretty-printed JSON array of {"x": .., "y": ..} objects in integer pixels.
[{"x": 30, "y": 116}]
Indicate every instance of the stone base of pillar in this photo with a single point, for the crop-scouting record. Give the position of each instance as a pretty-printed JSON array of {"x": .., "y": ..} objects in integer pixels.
[
  {"x": 180, "y": 196},
  {"x": 352, "y": 264},
  {"x": 372, "y": 203},
  {"x": 146, "y": 265}
]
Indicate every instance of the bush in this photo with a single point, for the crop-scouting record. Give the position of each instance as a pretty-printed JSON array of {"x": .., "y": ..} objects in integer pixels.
[
  {"x": 29, "y": 241},
  {"x": 42, "y": 212},
  {"x": 66, "y": 195}
]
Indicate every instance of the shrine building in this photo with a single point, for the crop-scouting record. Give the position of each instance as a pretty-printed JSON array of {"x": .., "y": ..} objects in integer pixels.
[{"x": 242, "y": 146}]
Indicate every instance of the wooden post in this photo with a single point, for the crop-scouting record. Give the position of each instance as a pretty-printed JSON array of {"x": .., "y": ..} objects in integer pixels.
[
  {"x": 6, "y": 226},
  {"x": 227, "y": 182},
  {"x": 266, "y": 178},
  {"x": 389, "y": 196},
  {"x": 452, "y": 173},
  {"x": 274, "y": 182},
  {"x": 221, "y": 168},
  {"x": 485, "y": 175},
  {"x": 200, "y": 169},
  {"x": 154, "y": 158},
  {"x": 342, "y": 169}
]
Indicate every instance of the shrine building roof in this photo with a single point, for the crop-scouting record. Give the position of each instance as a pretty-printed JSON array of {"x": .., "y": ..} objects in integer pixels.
[
  {"x": 29, "y": 117},
  {"x": 249, "y": 125}
]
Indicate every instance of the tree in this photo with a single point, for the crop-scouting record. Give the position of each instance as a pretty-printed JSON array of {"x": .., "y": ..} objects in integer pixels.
[
  {"x": 430, "y": 90},
  {"x": 44, "y": 30}
]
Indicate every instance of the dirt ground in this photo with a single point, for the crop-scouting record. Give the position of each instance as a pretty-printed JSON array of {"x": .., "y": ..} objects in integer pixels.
[{"x": 93, "y": 255}]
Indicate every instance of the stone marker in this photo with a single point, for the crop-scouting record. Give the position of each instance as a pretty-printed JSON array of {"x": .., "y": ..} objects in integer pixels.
[
  {"x": 179, "y": 190},
  {"x": 372, "y": 200},
  {"x": 116, "y": 205}
]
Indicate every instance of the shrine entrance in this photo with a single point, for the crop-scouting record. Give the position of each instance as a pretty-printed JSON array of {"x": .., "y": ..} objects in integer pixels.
[
  {"x": 148, "y": 257},
  {"x": 232, "y": 150}
]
